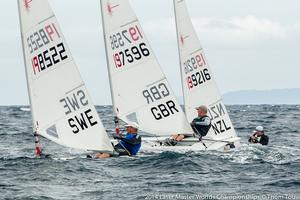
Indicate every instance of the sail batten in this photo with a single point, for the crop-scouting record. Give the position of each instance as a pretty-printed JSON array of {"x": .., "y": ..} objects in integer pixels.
[{"x": 62, "y": 110}]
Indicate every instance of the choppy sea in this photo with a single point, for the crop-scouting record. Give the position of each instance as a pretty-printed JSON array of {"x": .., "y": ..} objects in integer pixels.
[{"x": 252, "y": 172}]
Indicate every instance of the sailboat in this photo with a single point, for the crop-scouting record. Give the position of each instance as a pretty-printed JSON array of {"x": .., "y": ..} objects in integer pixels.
[
  {"x": 140, "y": 91},
  {"x": 62, "y": 110},
  {"x": 198, "y": 84}
]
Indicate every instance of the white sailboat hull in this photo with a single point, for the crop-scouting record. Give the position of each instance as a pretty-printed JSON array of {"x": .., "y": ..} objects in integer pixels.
[
  {"x": 189, "y": 144},
  {"x": 154, "y": 144}
]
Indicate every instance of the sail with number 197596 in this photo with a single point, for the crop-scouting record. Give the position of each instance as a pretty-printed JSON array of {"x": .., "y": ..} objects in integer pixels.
[{"x": 139, "y": 89}]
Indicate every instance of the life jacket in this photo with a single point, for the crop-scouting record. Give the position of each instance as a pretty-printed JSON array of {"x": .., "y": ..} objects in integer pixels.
[
  {"x": 132, "y": 143},
  {"x": 199, "y": 128}
]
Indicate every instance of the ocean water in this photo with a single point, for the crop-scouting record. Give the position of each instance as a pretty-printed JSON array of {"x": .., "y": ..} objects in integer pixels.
[{"x": 252, "y": 172}]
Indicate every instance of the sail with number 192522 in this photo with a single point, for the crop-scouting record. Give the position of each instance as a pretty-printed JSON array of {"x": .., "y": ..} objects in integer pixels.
[{"x": 61, "y": 108}]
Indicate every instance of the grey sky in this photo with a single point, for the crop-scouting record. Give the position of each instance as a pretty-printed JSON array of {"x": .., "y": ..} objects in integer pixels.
[{"x": 249, "y": 44}]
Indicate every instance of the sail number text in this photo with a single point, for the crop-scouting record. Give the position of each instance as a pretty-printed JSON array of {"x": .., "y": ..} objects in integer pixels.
[
  {"x": 127, "y": 36},
  {"x": 45, "y": 56},
  {"x": 194, "y": 63},
  {"x": 49, "y": 58},
  {"x": 217, "y": 114},
  {"x": 83, "y": 119},
  {"x": 131, "y": 37},
  {"x": 198, "y": 78},
  {"x": 42, "y": 37},
  {"x": 195, "y": 71},
  {"x": 130, "y": 55},
  {"x": 156, "y": 93}
]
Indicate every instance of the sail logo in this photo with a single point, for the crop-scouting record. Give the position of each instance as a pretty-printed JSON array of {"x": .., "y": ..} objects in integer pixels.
[
  {"x": 183, "y": 38},
  {"x": 27, "y": 4},
  {"x": 110, "y": 8}
]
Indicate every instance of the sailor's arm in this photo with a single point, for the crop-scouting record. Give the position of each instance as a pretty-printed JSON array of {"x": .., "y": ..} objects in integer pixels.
[
  {"x": 205, "y": 122},
  {"x": 133, "y": 141}
]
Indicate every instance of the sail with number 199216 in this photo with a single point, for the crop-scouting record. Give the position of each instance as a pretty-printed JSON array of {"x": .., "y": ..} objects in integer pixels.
[{"x": 198, "y": 84}]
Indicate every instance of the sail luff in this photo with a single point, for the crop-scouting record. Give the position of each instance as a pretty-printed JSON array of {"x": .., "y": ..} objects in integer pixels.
[
  {"x": 26, "y": 68},
  {"x": 179, "y": 56},
  {"x": 38, "y": 149},
  {"x": 107, "y": 62}
]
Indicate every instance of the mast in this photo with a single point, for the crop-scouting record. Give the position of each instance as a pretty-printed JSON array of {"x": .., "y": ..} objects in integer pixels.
[
  {"x": 38, "y": 150},
  {"x": 179, "y": 55},
  {"x": 116, "y": 119}
]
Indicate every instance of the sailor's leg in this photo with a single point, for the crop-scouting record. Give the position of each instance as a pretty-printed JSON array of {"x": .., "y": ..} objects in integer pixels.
[
  {"x": 174, "y": 139},
  {"x": 121, "y": 150},
  {"x": 171, "y": 141},
  {"x": 102, "y": 155},
  {"x": 179, "y": 138}
]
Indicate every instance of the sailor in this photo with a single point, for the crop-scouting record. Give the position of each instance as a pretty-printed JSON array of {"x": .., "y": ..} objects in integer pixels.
[
  {"x": 200, "y": 126},
  {"x": 130, "y": 142},
  {"x": 259, "y": 136}
]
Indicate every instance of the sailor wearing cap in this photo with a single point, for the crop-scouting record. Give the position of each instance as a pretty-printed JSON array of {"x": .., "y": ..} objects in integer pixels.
[
  {"x": 129, "y": 145},
  {"x": 200, "y": 125},
  {"x": 259, "y": 136}
]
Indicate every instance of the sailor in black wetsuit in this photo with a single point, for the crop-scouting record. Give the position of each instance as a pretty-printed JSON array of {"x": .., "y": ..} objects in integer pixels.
[
  {"x": 202, "y": 123},
  {"x": 259, "y": 136},
  {"x": 200, "y": 126}
]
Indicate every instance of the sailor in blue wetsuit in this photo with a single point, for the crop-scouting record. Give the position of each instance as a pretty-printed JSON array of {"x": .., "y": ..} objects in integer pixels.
[{"x": 130, "y": 143}]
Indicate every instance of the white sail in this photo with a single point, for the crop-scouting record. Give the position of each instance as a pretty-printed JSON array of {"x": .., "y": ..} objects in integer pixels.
[
  {"x": 198, "y": 84},
  {"x": 61, "y": 107},
  {"x": 140, "y": 91}
]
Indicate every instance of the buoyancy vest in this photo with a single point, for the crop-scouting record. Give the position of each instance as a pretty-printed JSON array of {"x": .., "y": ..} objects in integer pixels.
[{"x": 201, "y": 125}]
